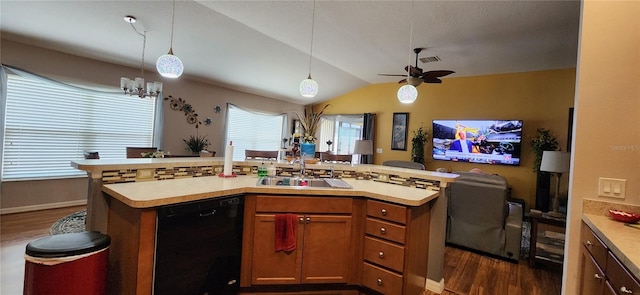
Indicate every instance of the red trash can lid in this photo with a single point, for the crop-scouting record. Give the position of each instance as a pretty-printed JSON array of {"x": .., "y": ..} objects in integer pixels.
[{"x": 65, "y": 245}]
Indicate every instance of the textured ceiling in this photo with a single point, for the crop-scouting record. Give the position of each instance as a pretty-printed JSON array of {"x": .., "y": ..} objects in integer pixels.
[{"x": 262, "y": 47}]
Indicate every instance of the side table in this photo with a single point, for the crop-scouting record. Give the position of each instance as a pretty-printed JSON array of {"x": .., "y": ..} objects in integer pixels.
[{"x": 547, "y": 239}]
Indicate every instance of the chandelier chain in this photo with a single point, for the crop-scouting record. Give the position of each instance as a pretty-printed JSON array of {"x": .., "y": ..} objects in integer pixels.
[
  {"x": 410, "y": 39},
  {"x": 313, "y": 20},
  {"x": 173, "y": 17}
]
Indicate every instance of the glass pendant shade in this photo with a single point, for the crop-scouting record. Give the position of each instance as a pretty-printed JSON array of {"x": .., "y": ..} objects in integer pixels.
[
  {"x": 407, "y": 94},
  {"x": 169, "y": 65},
  {"x": 308, "y": 87}
]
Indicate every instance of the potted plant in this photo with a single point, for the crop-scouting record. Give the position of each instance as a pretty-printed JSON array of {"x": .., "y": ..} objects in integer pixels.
[
  {"x": 309, "y": 122},
  {"x": 196, "y": 143},
  {"x": 417, "y": 145}
]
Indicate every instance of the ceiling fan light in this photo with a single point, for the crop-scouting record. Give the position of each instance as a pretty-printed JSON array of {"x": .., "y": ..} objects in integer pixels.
[
  {"x": 169, "y": 65},
  {"x": 308, "y": 87},
  {"x": 407, "y": 94}
]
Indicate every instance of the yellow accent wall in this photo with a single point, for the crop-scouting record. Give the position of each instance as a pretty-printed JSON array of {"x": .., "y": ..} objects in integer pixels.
[{"x": 542, "y": 99}]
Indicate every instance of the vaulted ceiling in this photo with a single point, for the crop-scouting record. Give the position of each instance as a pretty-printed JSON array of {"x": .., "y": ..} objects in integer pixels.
[{"x": 263, "y": 47}]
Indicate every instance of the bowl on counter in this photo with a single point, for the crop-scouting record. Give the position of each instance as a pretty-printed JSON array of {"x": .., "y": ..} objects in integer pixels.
[{"x": 622, "y": 216}]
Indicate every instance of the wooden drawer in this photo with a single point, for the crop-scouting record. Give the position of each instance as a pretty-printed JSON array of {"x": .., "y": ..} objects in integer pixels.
[
  {"x": 620, "y": 278},
  {"x": 381, "y": 280},
  {"x": 384, "y": 253},
  {"x": 300, "y": 204},
  {"x": 386, "y": 211},
  {"x": 386, "y": 230},
  {"x": 594, "y": 245}
]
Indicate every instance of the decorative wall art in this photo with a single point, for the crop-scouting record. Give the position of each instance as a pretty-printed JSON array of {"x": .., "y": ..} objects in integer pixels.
[
  {"x": 180, "y": 104},
  {"x": 399, "y": 131}
]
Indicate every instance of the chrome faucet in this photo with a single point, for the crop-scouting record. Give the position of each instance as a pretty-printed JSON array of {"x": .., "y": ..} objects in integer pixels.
[{"x": 301, "y": 161}]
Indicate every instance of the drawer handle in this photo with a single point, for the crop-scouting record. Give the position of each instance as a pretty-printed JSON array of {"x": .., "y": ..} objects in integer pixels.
[
  {"x": 379, "y": 282},
  {"x": 623, "y": 289},
  {"x": 381, "y": 255},
  {"x": 383, "y": 212},
  {"x": 589, "y": 244},
  {"x": 383, "y": 230},
  {"x": 597, "y": 277}
]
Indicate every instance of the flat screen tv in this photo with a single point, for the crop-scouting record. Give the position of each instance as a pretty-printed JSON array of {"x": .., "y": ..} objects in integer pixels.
[{"x": 478, "y": 141}]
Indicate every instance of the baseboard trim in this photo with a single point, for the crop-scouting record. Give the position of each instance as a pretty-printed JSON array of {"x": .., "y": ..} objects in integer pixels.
[
  {"x": 434, "y": 286},
  {"x": 42, "y": 207}
]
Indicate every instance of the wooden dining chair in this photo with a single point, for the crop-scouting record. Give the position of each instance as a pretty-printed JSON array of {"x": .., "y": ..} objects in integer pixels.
[
  {"x": 136, "y": 152},
  {"x": 260, "y": 155},
  {"x": 91, "y": 155},
  {"x": 330, "y": 157}
]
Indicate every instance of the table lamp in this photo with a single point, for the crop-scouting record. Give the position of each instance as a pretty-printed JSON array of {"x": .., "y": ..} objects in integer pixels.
[
  {"x": 363, "y": 147},
  {"x": 556, "y": 162}
]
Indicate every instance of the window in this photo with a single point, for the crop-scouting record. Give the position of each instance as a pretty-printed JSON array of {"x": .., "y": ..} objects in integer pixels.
[
  {"x": 249, "y": 130},
  {"x": 342, "y": 130},
  {"x": 48, "y": 124}
]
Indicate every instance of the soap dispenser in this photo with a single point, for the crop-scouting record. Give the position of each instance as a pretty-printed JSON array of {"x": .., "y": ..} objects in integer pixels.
[{"x": 262, "y": 170}]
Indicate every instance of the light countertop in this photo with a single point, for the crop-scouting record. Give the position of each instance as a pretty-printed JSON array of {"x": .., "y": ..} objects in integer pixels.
[
  {"x": 157, "y": 193},
  {"x": 623, "y": 241}
]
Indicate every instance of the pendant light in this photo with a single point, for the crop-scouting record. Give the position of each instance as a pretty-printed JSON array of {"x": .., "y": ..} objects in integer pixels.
[
  {"x": 169, "y": 65},
  {"x": 408, "y": 92},
  {"x": 309, "y": 87}
]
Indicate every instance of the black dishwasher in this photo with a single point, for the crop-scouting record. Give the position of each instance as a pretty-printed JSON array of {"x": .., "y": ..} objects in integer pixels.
[{"x": 198, "y": 247}]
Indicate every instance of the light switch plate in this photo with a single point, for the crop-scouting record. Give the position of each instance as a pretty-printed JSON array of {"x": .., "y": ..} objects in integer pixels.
[
  {"x": 379, "y": 150},
  {"x": 611, "y": 187}
]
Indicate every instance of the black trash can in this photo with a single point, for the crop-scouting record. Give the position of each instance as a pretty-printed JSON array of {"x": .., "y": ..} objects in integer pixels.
[{"x": 69, "y": 264}]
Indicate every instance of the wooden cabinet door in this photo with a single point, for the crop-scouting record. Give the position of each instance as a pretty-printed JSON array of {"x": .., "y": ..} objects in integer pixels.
[
  {"x": 327, "y": 249},
  {"x": 268, "y": 266},
  {"x": 593, "y": 280}
]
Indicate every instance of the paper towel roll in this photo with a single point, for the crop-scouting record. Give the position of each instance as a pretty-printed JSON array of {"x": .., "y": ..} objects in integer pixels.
[{"x": 228, "y": 160}]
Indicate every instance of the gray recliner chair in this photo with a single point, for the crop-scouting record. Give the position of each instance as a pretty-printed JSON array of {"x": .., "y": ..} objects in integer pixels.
[{"x": 480, "y": 216}]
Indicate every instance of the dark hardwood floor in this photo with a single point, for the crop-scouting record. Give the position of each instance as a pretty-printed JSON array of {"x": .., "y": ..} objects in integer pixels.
[{"x": 465, "y": 273}]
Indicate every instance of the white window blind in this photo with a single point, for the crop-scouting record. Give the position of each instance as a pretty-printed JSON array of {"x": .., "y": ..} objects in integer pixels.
[
  {"x": 253, "y": 131},
  {"x": 48, "y": 124}
]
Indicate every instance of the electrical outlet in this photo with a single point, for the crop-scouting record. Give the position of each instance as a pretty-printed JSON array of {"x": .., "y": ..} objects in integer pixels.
[
  {"x": 611, "y": 187},
  {"x": 379, "y": 150}
]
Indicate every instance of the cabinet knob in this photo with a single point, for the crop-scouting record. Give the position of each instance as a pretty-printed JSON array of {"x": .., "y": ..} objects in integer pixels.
[
  {"x": 383, "y": 230},
  {"x": 597, "y": 277},
  {"x": 308, "y": 219},
  {"x": 379, "y": 282},
  {"x": 588, "y": 243},
  {"x": 381, "y": 255},
  {"x": 624, "y": 290},
  {"x": 300, "y": 219},
  {"x": 383, "y": 212}
]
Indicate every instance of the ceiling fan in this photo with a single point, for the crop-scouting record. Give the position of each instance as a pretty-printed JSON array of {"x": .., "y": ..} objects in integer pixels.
[{"x": 417, "y": 76}]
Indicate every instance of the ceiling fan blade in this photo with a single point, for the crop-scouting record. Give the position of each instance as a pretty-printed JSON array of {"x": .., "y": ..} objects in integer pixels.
[
  {"x": 432, "y": 80},
  {"x": 393, "y": 75},
  {"x": 402, "y": 81},
  {"x": 436, "y": 74}
]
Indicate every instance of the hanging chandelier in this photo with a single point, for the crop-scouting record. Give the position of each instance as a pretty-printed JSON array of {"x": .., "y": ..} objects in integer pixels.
[
  {"x": 408, "y": 92},
  {"x": 309, "y": 87},
  {"x": 136, "y": 86},
  {"x": 169, "y": 65}
]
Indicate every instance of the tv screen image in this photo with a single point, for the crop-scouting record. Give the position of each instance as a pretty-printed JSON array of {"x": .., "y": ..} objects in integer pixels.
[{"x": 478, "y": 141}]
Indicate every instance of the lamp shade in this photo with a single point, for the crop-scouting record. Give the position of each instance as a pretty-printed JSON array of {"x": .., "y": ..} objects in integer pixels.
[
  {"x": 363, "y": 147},
  {"x": 407, "y": 94},
  {"x": 555, "y": 161},
  {"x": 308, "y": 87},
  {"x": 169, "y": 65}
]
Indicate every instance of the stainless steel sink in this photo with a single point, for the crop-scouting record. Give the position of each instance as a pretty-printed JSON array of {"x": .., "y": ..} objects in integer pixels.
[{"x": 298, "y": 182}]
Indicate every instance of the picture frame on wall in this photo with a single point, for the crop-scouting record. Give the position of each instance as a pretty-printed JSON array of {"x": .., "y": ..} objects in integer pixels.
[{"x": 399, "y": 131}]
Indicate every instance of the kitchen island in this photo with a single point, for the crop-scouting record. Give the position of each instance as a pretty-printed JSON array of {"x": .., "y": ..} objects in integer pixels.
[{"x": 124, "y": 197}]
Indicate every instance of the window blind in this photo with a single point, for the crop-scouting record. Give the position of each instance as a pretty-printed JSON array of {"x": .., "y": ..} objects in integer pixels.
[
  {"x": 48, "y": 124},
  {"x": 253, "y": 131}
]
